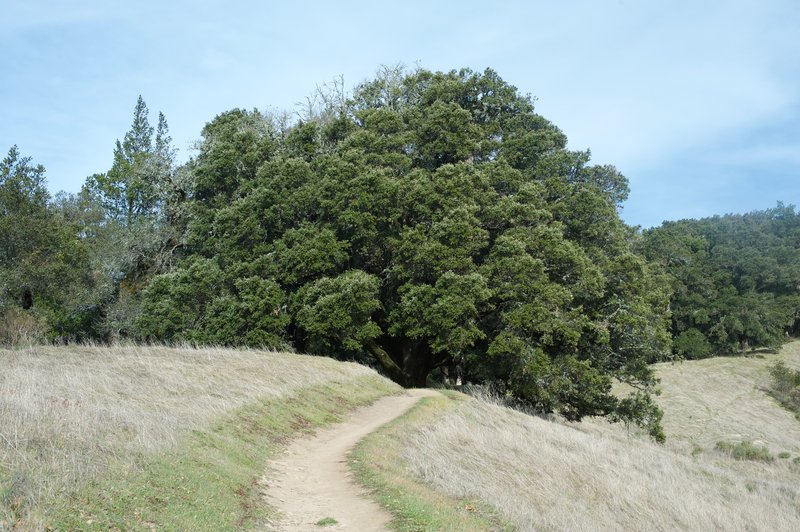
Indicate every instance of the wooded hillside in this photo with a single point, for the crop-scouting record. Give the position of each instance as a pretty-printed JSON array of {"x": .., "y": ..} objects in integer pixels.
[{"x": 735, "y": 280}]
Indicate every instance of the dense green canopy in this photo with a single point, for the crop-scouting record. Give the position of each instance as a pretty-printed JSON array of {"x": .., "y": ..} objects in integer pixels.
[
  {"x": 432, "y": 223},
  {"x": 42, "y": 264},
  {"x": 735, "y": 280}
]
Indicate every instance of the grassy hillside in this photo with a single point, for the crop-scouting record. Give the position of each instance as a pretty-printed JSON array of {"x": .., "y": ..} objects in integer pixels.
[
  {"x": 134, "y": 437},
  {"x": 723, "y": 399},
  {"x": 144, "y": 437},
  {"x": 541, "y": 474}
]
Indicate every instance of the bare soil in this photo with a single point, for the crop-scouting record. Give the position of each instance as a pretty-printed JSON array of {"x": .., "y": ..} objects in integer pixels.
[{"x": 311, "y": 481}]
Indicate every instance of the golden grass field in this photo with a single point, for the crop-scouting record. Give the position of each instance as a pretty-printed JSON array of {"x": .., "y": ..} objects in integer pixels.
[
  {"x": 68, "y": 414},
  {"x": 546, "y": 475}
]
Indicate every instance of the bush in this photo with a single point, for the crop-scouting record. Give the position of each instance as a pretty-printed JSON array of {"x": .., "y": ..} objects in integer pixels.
[
  {"x": 745, "y": 450},
  {"x": 785, "y": 386},
  {"x": 692, "y": 344}
]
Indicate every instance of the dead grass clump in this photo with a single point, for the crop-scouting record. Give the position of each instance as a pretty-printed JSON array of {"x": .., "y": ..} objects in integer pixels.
[
  {"x": 66, "y": 413},
  {"x": 19, "y": 327}
]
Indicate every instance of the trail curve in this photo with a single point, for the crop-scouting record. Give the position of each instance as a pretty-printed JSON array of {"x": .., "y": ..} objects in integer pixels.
[{"x": 311, "y": 480}]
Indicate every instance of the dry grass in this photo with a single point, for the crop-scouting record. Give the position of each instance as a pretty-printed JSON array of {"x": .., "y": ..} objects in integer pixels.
[
  {"x": 378, "y": 465},
  {"x": 545, "y": 475},
  {"x": 66, "y": 413},
  {"x": 723, "y": 399},
  {"x": 18, "y": 327}
]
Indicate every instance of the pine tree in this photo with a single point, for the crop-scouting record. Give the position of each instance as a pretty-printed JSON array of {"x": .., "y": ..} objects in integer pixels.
[{"x": 134, "y": 186}]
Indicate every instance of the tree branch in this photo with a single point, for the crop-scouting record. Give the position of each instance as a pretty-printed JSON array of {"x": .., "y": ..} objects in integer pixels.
[{"x": 395, "y": 372}]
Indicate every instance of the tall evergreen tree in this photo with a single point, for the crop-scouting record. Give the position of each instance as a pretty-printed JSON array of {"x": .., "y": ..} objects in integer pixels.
[
  {"x": 133, "y": 188},
  {"x": 142, "y": 199},
  {"x": 433, "y": 222},
  {"x": 23, "y": 213}
]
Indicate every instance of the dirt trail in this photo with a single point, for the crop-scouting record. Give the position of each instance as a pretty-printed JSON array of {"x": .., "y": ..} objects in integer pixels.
[{"x": 311, "y": 481}]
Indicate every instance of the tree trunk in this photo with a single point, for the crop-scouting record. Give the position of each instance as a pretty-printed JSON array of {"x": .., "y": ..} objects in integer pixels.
[
  {"x": 413, "y": 368},
  {"x": 416, "y": 377},
  {"x": 395, "y": 372},
  {"x": 417, "y": 364},
  {"x": 26, "y": 298}
]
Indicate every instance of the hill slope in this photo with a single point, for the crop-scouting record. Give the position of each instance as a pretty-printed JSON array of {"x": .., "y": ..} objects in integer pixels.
[
  {"x": 723, "y": 399},
  {"x": 541, "y": 474},
  {"x": 129, "y": 437},
  {"x": 97, "y": 438}
]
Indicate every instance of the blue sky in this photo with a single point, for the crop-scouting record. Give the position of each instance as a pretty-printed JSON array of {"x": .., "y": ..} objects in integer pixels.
[{"x": 696, "y": 102}]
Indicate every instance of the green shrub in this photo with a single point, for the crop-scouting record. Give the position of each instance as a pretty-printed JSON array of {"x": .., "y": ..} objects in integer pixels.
[
  {"x": 745, "y": 450},
  {"x": 692, "y": 344},
  {"x": 785, "y": 386}
]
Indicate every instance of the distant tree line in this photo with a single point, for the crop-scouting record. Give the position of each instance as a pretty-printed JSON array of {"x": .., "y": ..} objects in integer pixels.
[
  {"x": 430, "y": 224},
  {"x": 734, "y": 279}
]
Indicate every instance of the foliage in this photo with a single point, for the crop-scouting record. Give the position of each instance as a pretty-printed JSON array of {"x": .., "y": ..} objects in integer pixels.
[
  {"x": 73, "y": 267},
  {"x": 745, "y": 450},
  {"x": 640, "y": 409},
  {"x": 135, "y": 216},
  {"x": 430, "y": 221},
  {"x": 132, "y": 189},
  {"x": 43, "y": 265},
  {"x": 785, "y": 386},
  {"x": 735, "y": 279},
  {"x": 189, "y": 305}
]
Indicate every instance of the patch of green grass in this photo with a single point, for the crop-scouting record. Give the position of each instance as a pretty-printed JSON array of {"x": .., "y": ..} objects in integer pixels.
[
  {"x": 377, "y": 462},
  {"x": 211, "y": 480},
  {"x": 327, "y": 521},
  {"x": 12, "y": 506},
  {"x": 745, "y": 451},
  {"x": 784, "y": 454}
]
